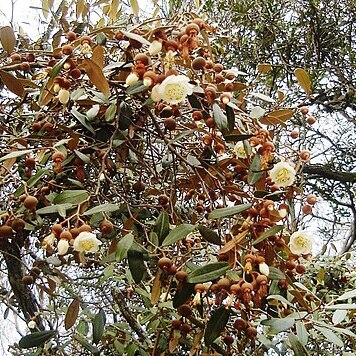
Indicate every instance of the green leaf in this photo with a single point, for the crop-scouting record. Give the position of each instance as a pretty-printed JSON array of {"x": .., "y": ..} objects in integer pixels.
[
  {"x": 341, "y": 306},
  {"x": 83, "y": 120},
  {"x": 230, "y": 117},
  {"x": 183, "y": 293},
  {"x": 36, "y": 339},
  {"x": 302, "y": 332},
  {"x": 262, "y": 97},
  {"x": 110, "y": 113},
  {"x": 270, "y": 232},
  {"x": 208, "y": 272},
  {"x": 57, "y": 67},
  {"x": 280, "y": 299},
  {"x": 82, "y": 156},
  {"x": 330, "y": 336},
  {"x": 136, "y": 88},
  {"x": 98, "y": 326},
  {"x": 178, "y": 233},
  {"x": 216, "y": 324},
  {"x": 275, "y": 273},
  {"x": 297, "y": 346},
  {"x": 181, "y": 135},
  {"x": 103, "y": 208},
  {"x": 135, "y": 37},
  {"x": 136, "y": 264},
  {"x": 348, "y": 295},
  {"x": 161, "y": 227},
  {"x": 71, "y": 196},
  {"x": 87, "y": 345},
  {"x": 123, "y": 246},
  {"x": 237, "y": 137},
  {"x": 32, "y": 181},
  {"x": 339, "y": 315},
  {"x": 209, "y": 235},
  {"x": 254, "y": 173},
  {"x": 277, "y": 325},
  {"x": 54, "y": 209},
  {"x": 14, "y": 154},
  {"x": 223, "y": 212},
  {"x": 220, "y": 119}
]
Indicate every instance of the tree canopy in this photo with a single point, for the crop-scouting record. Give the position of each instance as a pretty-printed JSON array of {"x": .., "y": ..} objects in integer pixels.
[{"x": 161, "y": 179}]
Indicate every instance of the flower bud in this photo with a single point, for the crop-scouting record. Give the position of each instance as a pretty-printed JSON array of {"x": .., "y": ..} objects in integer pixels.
[
  {"x": 63, "y": 96},
  {"x": 155, "y": 47},
  {"x": 132, "y": 79},
  {"x": 264, "y": 269},
  {"x": 63, "y": 246}
]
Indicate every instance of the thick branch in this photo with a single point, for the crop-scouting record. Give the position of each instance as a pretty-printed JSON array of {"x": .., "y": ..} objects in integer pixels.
[{"x": 324, "y": 171}]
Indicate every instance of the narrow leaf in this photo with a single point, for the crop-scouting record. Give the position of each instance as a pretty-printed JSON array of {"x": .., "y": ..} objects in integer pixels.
[
  {"x": 72, "y": 313},
  {"x": 36, "y": 339},
  {"x": 178, "y": 233},
  {"x": 103, "y": 208},
  {"x": 123, "y": 246},
  {"x": 254, "y": 173},
  {"x": 270, "y": 232},
  {"x": 275, "y": 273},
  {"x": 96, "y": 76},
  {"x": 98, "y": 326},
  {"x": 136, "y": 264},
  {"x": 303, "y": 79},
  {"x": 297, "y": 346},
  {"x": 208, "y": 272},
  {"x": 277, "y": 325},
  {"x": 216, "y": 324},
  {"x": 12, "y": 83},
  {"x": 161, "y": 227},
  {"x": 71, "y": 196},
  {"x": 223, "y": 212},
  {"x": 209, "y": 235},
  {"x": 348, "y": 295},
  {"x": 7, "y": 38}
]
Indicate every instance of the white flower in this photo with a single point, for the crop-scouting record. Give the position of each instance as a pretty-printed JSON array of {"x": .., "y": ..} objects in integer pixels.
[
  {"x": 155, "y": 93},
  {"x": 175, "y": 88},
  {"x": 62, "y": 246},
  {"x": 132, "y": 79},
  {"x": 53, "y": 260},
  {"x": 300, "y": 243},
  {"x": 63, "y": 96},
  {"x": 86, "y": 242},
  {"x": 282, "y": 174},
  {"x": 155, "y": 47},
  {"x": 264, "y": 269},
  {"x": 239, "y": 150},
  {"x": 91, "y": 113},
  {"x": 31, "y": 324}
]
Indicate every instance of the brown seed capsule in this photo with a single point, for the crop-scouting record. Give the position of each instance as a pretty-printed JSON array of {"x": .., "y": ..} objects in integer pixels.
[
  {"x": 67, "y": 50},
  {"x": 240, "y": 324},
  {"x": 58, "y": 156},
  {"x": 300, "y": 269},
  {"x": 85, "y": 227},
  {"x": 304, "y": 110},
  {"x": 181, "y": 276},
  {"x": 57, "y": 229},
  {"x": 5, "y": 232},
  {"x": 18, "y": 225},
  {"x": 164, "y": 263},
  {"x": 307, "y": 209},
  {"x": 170, "y": 123},
  {"x": 311, "y": 120},
  {"x": 25, "y": 66},
  {"x": 228, "y": 339},
  {"x": 85, "y": 40},
  {"x": 139, "y": 187},
  {"x": 197, "y": 115},
  {"x": 106, "y": 227},
  {"x": 176, "y": 324},
  {"x": 172, "y": 270},
  {"x": 185, "y": 328},
  {"x": 198, "y": 63},
  {"x": 27, "y": 280},
  {"x": 163, "y": 200},
  {"x": 251, "y": 332},
  {"x": 311, "y": 199},
  {"x": 75, "y": 73},
  {"x": 75, "y": 232},
  {"x": 30, "y": 162},
  {"x": 192, "y": 29},
  {"x": 30, "y": 202},
  {"x": 290, "y": 265},
  {"x": 294, "y": 134},
  {"x": 218, "y": 67},
  {"x": 184, "y": 310},
  {"x": 142, "y": 58},
  {"x": 71, "y": 36},
  {"x": 224, "y": 283},
  {"x": 15, "y": 57},
  {"x": 66, "y": 235}
]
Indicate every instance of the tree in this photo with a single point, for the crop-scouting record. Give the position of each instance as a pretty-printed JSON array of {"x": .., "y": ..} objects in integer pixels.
[{"x": 150, "y": 195}]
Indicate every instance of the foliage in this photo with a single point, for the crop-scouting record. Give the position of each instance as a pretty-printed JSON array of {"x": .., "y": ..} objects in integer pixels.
[{"x": 150, "y": 194}]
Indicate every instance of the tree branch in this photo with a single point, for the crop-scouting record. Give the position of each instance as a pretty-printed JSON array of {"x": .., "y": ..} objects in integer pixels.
[{"x": 325, "y": 171}]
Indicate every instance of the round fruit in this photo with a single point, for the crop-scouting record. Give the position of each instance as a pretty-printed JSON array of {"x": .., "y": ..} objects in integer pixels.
[
  {"x": 229, "y": 339},
  {"x": 251, "y": 332},
  {"x": 300, "y": 268},
  {"x": 164, "y": 263},
  {"x": 218, "y": 67},
  {"x": 71, "y": 36},
  {"x": 163, "y": 200},
  {"x": 85, "y": 227},
  {"x": 18, "y": 225},
  {"x": 58, "y": 156},
  {"x": 75, "y": 73},
  {"x": 67, "y": 50},
  {"x": 142, "y": 58},
  {"x": 170, "y": 123},
  {"x": 5, "y": 232},
  {"x": 30, "y": 202},
  {"x": 176, "y": 323},
  {"x": 57, "y": 229},
  {"x": 181, "y": 276},
  {"x": 138, "y": 187},
  {"x": 184, "y": 310},
  {"x": 311, "y": 120},
  {"x": 185, "y": 328},
  {"x": 240, "y": 324},
  {"x": 66, "y": 235},
  {"x": 311, "y": 199},
  {"x": 15, "y": 57},
  {"x": 307, "y": 209},
  {"x": 27, "y": 280},
  {"x": 106, "y": 227},
  {"x": 25, "y": 66},
  {"x": 197, "y": 115},
  {"x": 224, "y": 283},
  {"x": 192, "y": 29},
  {"x": 198, "y": 63}
]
